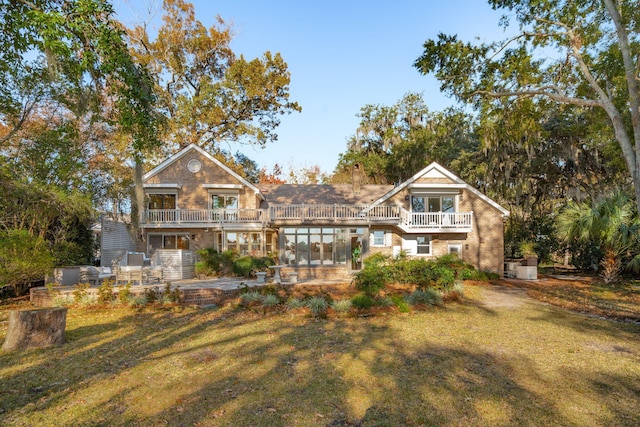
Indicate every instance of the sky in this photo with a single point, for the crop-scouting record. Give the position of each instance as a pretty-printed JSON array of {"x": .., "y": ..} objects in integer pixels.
[{"x": 342, "y": 55}]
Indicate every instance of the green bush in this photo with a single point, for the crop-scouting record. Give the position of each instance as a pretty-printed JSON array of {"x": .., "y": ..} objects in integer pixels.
[
  {"x": 270, "y": 300},
  {"x": 342, "y": 305},
  {"x": 294, "y": 303},
  {"x": 243, "y": 266},
  {"x": 428, "y": 296},
  {"x": 317, "y": 305},
  {"x": 23, "y": 259},
  {"x": 105, "y": 292},
  {"x": 251, "y": 296},
  {"x": 363, "y": 301},
  {"x": 374, "y": 276},
  {"x": 400, "y": 302},
  {"x": 124, "y": 293}
]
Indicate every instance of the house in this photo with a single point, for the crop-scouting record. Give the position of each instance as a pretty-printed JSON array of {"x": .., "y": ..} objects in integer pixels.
[{"x": 320, "y": 231}]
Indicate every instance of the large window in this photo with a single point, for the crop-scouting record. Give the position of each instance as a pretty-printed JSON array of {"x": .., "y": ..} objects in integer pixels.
[
  {"x": 162, "y": 201},
  {"x": 433, "y": 203},
  {"x": 167, "y": 241},
  {"x": 315, "y": 246}
]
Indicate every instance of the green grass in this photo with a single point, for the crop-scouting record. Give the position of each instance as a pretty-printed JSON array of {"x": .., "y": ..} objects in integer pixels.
[{"x": 464, "y": 364}]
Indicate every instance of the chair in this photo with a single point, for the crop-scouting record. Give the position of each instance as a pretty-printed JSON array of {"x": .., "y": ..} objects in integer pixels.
[{"x": 128, "y": 274}]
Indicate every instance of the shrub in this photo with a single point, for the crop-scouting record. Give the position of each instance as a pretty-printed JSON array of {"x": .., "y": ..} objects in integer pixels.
[
  {"x": 137, "y": 301},
  {"x": 23, "y": 259},
  {"x": 243, "y": 266},
  {"x": 88, "y": 300},
  {"x": 428, "y": 296},
  {"x": 294, "y": 303},
  {"x": 81, "y": 292},
  {"x": 363, "y": 301},
  {"x": 62, "y": 300},
  {"x": 105, "y": 292},
  {"x": 152, "y": 295},
  {"x": 270, "y": 300},
  {"x": 317, "y": 305},
  {"x": 124, "y": 293},
  {"x": 456, "y": 292},
  {"x": 342, "y": 305},
  {"x": 400, "y": 302},
  {"x": 251, "y": 296},
  {"x": 373, "y": 277}
]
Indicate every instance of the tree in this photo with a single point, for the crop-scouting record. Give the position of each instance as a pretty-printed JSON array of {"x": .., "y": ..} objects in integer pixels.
[
  {"x": 69, "y": 60},
  {"x": 595, "y": 65},
  {"x": 612, "y": 223},
  {"x": 205, "y": 91}
]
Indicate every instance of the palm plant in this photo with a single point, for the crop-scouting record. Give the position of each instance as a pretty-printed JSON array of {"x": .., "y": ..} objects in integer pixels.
[{"x": 612, "y": 223}]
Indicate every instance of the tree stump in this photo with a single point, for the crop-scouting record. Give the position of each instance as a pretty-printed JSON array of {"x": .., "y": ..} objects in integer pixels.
[{"x": 35, "y": 328}]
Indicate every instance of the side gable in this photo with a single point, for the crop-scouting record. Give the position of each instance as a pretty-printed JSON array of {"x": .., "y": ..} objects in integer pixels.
[
  {"x": 203, "y": 154},
  {"x": 436, "y": 176}
]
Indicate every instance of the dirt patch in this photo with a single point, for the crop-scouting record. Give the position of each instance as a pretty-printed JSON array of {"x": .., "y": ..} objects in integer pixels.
[{"x": 503, "y": 297}]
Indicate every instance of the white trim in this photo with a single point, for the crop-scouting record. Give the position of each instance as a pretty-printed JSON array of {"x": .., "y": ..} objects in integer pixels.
[
  {"x": 223, "y": 186},
  {"x": 457, "y": 181},
  {"x": 162, "y": 185},
  {"x": 419, "y": 185},
  {"x": 185, "y": 151}
]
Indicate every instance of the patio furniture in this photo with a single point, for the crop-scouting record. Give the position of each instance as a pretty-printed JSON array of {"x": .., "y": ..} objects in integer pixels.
[
  {"x": 128, "y": 274},
  {"x": 153, "y": 273}
]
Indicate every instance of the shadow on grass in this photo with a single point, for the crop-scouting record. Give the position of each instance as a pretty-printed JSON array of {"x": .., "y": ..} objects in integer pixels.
[{"x": 197, "y": 368}]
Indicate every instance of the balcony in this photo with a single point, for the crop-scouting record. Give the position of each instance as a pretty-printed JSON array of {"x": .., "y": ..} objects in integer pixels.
[
  {"x": 442, "y": 222},
  {"x": 410, "y": 222},
  {"x": 174, "y": 218},
  {"x": 334, "y": 213}
]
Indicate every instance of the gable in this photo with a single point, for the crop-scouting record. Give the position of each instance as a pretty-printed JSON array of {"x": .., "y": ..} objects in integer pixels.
[
  {"x": 183, "y": 167},
  {"x": 436, "y": 176}
]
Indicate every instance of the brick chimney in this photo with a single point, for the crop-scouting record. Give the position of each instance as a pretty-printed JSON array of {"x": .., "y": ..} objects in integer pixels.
[{"x": 356, "y": 178}]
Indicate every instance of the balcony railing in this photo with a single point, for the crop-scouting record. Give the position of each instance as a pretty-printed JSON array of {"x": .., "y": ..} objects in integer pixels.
[
  {"x": 424, "y": 221},
  {"x": 437, "y": 220},
  {"x": 334, "y": 212},
  {"x": 205, "y": 216}
]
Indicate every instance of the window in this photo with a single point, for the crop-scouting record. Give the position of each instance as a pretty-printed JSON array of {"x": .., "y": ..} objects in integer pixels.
[
  {"x": 378, "y": 238},
  {"x": 417, "y": 204},
  {"x": 423, "y": 245},
  {"x": 224, "y": 201},
  {"x": 455, "y": 248},
  {"x": 314, "y": 246},
  {"x": 167, "y": 241},
  {"x": 433, "y": 204},
  {"x": 162, "y": 201}
]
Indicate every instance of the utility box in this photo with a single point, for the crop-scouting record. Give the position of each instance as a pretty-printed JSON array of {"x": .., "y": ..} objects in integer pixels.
[{"x": 525, "y": 272}]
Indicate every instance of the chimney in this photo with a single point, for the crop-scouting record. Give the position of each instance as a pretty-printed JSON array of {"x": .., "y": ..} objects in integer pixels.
[{"x": 355, "y": 178}]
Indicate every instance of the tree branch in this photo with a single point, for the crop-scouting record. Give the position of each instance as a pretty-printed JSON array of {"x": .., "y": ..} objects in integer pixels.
[{"x": 543, "y": 91}]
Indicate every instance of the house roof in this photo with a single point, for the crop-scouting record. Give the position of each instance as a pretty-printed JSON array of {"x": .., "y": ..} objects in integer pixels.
[
  {"x": 341, "y": 194},
  {"x": 186, "y": 150},
  {"x": 436, "y": 170}
]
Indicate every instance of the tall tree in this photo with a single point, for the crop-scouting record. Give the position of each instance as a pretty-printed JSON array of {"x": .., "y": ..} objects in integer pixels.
[
  {"x": 207, "y": 93},
  {"x": 71, "y": 58},
  {"x": 595, "y": 65}
]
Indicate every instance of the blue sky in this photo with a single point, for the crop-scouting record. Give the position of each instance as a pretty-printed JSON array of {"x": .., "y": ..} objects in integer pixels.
[{"x": 342, "y": 55}]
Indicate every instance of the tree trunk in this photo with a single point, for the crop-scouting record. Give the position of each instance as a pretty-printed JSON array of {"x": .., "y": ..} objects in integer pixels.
[{"x": 35, "y": 328}]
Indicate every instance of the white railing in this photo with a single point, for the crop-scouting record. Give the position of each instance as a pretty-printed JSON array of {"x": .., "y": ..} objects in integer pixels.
[
  {"x": 205, "y": 216},
  {"x": 438, "y": 220},
  {"x": 334, "y": 212},
  {"x": 303, "y": 212}
]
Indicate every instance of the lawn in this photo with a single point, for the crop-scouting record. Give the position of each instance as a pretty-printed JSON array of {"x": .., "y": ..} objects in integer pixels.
[{"x": 496, "y": 358}]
